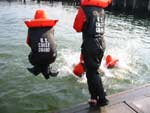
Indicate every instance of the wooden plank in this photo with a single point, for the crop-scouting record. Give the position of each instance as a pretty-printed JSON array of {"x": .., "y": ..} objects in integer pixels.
[
  {"x": 130, "y": 94},
  {"x": 75, "y": 109},
  {"x": 132, "y": 101},
  {"x": 142, "y": 105},
  {"x": 117, "y": 108}
]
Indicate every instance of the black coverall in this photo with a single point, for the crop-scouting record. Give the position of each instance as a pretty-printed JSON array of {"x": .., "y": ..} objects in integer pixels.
[
  {"x": 43, "y": 49},
  {"x": 90, "y": 21}
]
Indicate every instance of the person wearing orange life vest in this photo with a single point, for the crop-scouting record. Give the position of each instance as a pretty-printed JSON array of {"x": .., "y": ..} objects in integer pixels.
[
  {"x": 90, "y": 20},
  {"x": 43, "y": 46}
]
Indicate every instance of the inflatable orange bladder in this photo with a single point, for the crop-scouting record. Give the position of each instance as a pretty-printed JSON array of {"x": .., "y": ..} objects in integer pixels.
[
  {"x": 98, "y": 3},
  {"x": 40, "y": 20},
  {"x": 78, "y": 70},
  {"x": 111, "y": 62}
]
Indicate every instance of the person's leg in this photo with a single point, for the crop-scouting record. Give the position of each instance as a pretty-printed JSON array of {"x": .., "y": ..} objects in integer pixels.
[
  {"x": 89, "y": 75},
  {"x": 48, "y": 71},
  {"x": 92, "y": 62},
  {"x": 36, "y": 69},
  {"x": 47, "y": 60},
  {"x": 45, "y": 71},
  {"x": 91, "y": 84},
  {"x": 100, "y": 91},
  {"x": 98, "y": 81},
  {"x": 96, "y": 90},
  {"x": 53, "y": 72},
  {"x": 92, "y": 90}
]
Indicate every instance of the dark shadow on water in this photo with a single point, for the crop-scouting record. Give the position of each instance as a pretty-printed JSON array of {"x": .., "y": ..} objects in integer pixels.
[{"x": 138, "y": 13}]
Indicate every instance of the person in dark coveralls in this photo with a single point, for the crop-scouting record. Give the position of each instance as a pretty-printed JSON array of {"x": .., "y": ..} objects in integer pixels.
[
  {"x": 90, "y": 20},
  {"x": 43, "y": 46}
]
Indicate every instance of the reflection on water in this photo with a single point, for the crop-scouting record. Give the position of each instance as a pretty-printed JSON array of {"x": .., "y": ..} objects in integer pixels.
[{"x": 127, "y": 38}]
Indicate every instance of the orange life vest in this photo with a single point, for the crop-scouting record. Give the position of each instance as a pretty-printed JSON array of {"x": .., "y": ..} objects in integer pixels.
[
  {"x": 40, "y": 23},
  {"x": 40, "y": 20},
  {"x": 98, "y": 3}
]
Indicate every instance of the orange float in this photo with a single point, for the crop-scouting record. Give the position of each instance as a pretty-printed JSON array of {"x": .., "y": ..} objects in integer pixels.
[
  {"x": 111, "y": 62},
  {"x": 79, "y": 68}
]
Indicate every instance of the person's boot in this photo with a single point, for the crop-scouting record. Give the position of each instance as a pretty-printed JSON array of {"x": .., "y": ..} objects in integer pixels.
[
  {"x": 93, "y": 104},
  {"x": 45, "y": 72},
  {"x": 46, "y": 76},
  {"x": 103, "y": 102},
  {"x": 34, "y": 71},
  {"x": 52, "y": 72}
]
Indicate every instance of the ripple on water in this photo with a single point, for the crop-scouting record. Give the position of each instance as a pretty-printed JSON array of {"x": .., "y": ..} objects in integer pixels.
[{"x": 127, "y": 39}]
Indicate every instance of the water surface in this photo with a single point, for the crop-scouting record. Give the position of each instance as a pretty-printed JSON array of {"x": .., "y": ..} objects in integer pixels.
[{"x": 127, "y": 38}]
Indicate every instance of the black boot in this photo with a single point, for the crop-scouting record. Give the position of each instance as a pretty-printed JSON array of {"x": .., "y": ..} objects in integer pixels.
[
  {"x": 52, "y": 72},
  {"x": 46, "y": 76},
  {"x": 34, "y": 70},
  {"x": 92, "y": 103},
  {"x": 103, "y": 102},
  {"x": 45, "y": 72}
]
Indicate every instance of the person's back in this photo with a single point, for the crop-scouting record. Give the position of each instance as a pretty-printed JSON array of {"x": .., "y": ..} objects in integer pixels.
[
  {"x": 93, "y": 31},
  {"x": 42, "y": 43},
  {"x": 95, "y": 22},
  {"x": 90, "y": 21}
]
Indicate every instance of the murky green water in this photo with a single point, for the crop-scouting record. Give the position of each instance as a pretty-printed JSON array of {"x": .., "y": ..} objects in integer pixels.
[{"x": 127, "y": 38}]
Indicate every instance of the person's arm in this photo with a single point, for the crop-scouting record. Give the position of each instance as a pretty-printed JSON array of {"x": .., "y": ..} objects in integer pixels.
[
  {"x": 27, "y": 41},
  {"x": 79, "y": 20}
]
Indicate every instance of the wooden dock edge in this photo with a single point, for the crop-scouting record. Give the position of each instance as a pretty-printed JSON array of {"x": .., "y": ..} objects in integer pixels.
[{"x": 136, "y": 100}]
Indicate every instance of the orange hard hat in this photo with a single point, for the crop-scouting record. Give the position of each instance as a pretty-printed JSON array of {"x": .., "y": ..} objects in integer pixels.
[
  {"x": 40, "y": 14},
  {"x": 79, "y": 70},
  {"x": 110, "y": 62}
]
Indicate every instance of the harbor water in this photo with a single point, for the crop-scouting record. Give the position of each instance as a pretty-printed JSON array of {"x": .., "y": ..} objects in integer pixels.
[{"x": 127, "y": 38}]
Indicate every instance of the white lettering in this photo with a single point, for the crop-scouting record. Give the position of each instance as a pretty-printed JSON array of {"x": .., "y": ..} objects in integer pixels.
[
  {"x": 43, "y": 45},
  {"x": 98, "y": 30},
  {"x": 99, "y": 25},
  {"x": 98, "y": 19}
]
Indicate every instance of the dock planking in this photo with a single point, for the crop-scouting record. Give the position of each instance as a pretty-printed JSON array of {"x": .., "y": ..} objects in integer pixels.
[{"x": 136, "y": 100}]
